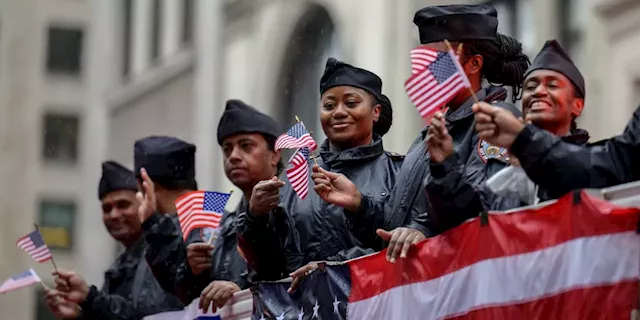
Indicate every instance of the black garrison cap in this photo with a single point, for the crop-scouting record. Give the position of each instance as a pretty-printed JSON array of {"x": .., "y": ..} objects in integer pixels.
[
  {"x": 115, "y": 177},
  {"x": 553, "y": 57},
  {"x": 456, "y": 23},
  {"x": 166, "y": 159},
  {"x": 338, "y": 73},
  {"x": 239, "y": 117}
]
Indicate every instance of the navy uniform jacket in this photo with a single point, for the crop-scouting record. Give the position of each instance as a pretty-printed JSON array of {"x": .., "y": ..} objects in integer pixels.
[
  {"x": 560, "y": 167},
  {"x": 408, "y": 204},
  {"x": 302, "y": 231},
  {"x": 167, "y": 255},
  {"x": 454, "y": 199},
  {"x": 130, "y": 290}
]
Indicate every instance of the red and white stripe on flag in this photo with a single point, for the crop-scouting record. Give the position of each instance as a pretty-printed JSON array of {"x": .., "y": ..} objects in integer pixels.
[
  {"x": 563, "y": 261},
  {"x": 200, "y": 209},
  {"x": 436, "y": 78},
  {"x": 298, "y": 173},
  {"x": 22, "y": 280}
]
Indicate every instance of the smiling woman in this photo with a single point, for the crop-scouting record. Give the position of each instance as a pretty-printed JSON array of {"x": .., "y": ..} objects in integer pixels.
[{"x": 354, "y": 115}]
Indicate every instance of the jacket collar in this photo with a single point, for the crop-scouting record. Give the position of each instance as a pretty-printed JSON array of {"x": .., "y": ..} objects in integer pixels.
[
  {"x": 332, "y": 157},
  {"x": 578, "y": 137}
]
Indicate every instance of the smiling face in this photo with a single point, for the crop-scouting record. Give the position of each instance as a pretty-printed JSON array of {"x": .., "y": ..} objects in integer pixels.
[
  {"x": 120, "y": 215},
  {"x": 347, "y": 115},
  {"x": 549, "y": 100},
  {"x": 248, "y": 159}
]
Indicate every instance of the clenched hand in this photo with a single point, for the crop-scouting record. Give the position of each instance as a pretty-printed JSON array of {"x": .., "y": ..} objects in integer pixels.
[
  {"x": 439, "y": 141},
  {"x": 216, "y": 294},
  {"x": 265, "y": 196},
  {"x": 199, "y": 257}
]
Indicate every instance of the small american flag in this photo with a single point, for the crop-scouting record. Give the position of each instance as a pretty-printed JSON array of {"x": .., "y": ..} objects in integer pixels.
[
  {"x": 34, "y": 245},
  {"x": 200, "y": 209},
  {"x": 436, "y": 78},
  {"x": 298, "y": 172},
  {"x": 296, "y": 137},
  {"x": 22, "y": 280}
]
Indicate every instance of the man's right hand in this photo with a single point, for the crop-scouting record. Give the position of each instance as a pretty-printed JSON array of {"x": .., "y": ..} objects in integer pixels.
[
  {"x": 496, "y": 125},
  {"x": 199, "y": 255},
  {"x": 71, "y": 286},
  {"x": 439, "y": 141},
  {"x": 265, "y": 196},
  {"x": 336, "y": 189},
  {"x": 147, "y": 198}
]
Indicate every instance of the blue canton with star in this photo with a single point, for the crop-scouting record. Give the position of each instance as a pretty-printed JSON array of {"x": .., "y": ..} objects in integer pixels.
[
  {"x": 443, "y": 67},
  {"x": 215, "y": 201},
  {"x": 298, "y": 130}
]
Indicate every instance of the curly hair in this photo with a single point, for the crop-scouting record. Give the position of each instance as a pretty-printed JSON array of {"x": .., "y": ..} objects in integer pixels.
[{"x": 504, "y": 63}]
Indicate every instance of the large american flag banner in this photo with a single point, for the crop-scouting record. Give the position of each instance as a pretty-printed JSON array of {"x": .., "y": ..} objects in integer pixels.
[
  {"x": 298, "y": 172},
  {"x": 436, "y": 78},
  {"x": 296, "y": 137},
  {"x": 577, "y": 258},
  {"x": 35, "y": 246},
  {"x": 22, "y": 280},
  {"x": 200, "y": 209}
]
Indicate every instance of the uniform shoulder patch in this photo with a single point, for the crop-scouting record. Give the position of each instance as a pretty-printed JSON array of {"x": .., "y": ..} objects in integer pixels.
[{"x": 488, "y": 151}]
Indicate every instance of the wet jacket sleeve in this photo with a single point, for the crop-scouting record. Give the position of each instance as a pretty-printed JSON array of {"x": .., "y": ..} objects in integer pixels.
[
  {"x": 189, "y": 286},
  {"x": 261, "y": 245},
  {"x": 454, "y": 200},
  {"x": 364, "y": 222},
  {"x": 560, "y": 167},
  {"x": 99, "y": 305},
  {"x": 102, "y": 306},
  {"x": 166, "y": 249}
]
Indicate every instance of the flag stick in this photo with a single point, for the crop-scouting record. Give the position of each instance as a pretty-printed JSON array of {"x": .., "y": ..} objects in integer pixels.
[
  {"x": 213, "y": 234},
  {"x": 52, "y": 261},
  {"x": 473, "y": 94},
  {"x": 310, "y": 154}
]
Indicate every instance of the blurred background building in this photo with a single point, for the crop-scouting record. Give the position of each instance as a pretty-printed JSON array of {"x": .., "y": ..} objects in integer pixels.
[{"x": 80, "y": 81}]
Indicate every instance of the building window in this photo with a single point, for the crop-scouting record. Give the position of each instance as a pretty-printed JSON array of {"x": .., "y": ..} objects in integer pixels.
[
  {"x": 187, "y": 22},
  {"x": 64, "y": 50},
  {"x": 126, "y": 36},
  {"x": 42, "y": 310},
  {"x": 56, "y": 223},
  {"x": 507, "y": 15},
  {"x": 572, "y": 21},
  {"x": 155, "y": 29},
  {"x": 313, "y": 42},
  {"x": 60, "y": 136}
]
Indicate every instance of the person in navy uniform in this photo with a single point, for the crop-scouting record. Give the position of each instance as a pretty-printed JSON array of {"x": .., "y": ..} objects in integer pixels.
[
  {"x": 558, "y": 166},
  {"x": 130, "y": 291},
  {"x": 486, "y": 55},
  {"x": 280, "y": 237},
  {"x": 214, "y": 272},
  {"x": 553, "y": 97}
]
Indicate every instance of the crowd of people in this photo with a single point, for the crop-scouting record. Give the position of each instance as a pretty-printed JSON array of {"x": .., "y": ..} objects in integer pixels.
[{"x": 365, "y": 199}]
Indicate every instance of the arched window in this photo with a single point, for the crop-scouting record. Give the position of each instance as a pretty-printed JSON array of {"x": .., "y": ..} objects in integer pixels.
[{"x": 313, "y": 41}]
